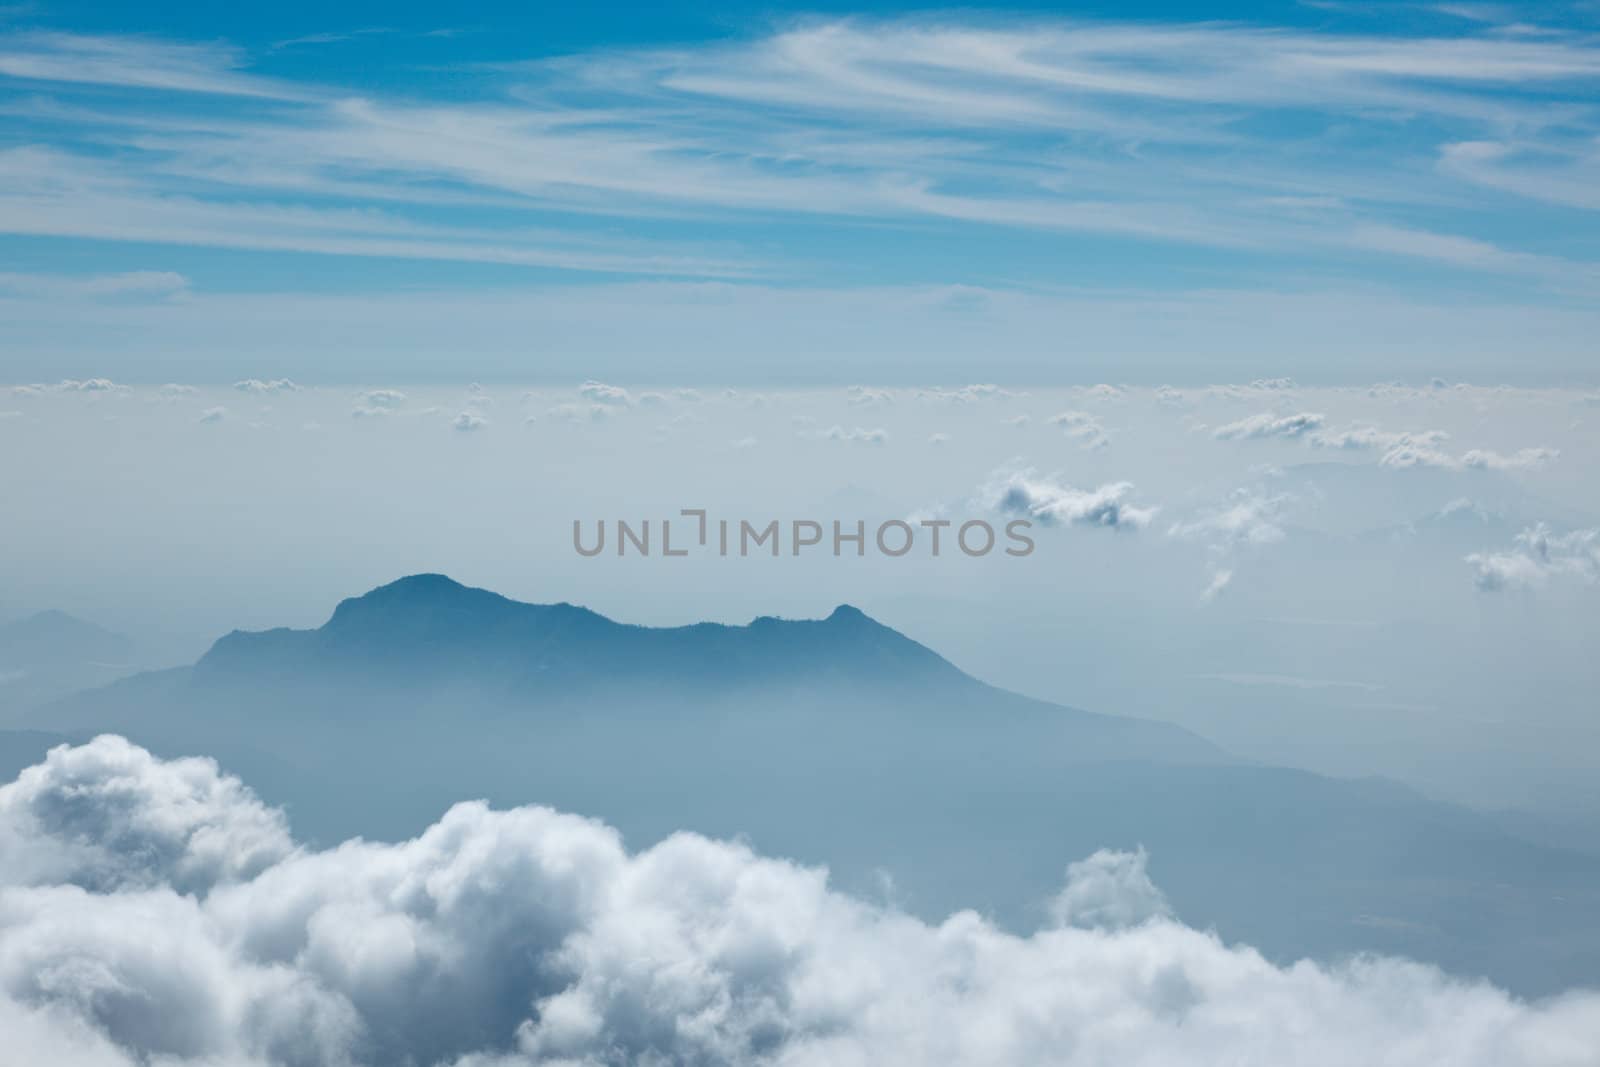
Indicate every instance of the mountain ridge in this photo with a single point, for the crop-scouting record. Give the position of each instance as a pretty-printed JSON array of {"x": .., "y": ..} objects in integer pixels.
[{"x": 423, "y": 621}]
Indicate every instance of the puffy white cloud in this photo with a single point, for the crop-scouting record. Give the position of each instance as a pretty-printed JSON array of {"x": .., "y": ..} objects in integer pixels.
[
  {"x": 1371, "y": 437},
  {"x": 601, "y": 393},
  {"x": 1539, "y": 556},
  {"x": 857, "y": 435},
  {"x": 380, "y": 398},
  {"x": 1082, "y": 427},
  {"x": 967, "y": 394},
  {"x": 469, "y": 422},
  {"x": 1247, "y": 518},
  {"x": 1110, "y": 890},
  {"x": 275, "y": 385},
  {"x": 213, "y": 414},
  {"x": 866, "y": 396},
  {"x": 532, "y": 937},
  {"x": 1419, "y": 455},
  {"x": 1266, "y": 424},
  {"x": 580, "y": 412},
  {"x": 109, "y": 815},
  {"x": 1023, "y": 492},
  {"x": 1522, "y": 459}
]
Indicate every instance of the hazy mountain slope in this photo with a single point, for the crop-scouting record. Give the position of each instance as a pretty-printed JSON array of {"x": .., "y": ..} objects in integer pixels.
[
  {"x": 841, "y": 741},
  {"x": 50, "y": 654}
]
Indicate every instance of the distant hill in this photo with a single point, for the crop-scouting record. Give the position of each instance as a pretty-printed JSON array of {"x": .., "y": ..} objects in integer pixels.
[
  {"x": 841, "y": 741},
  {"x": 428, "y": 625},
  {"x": 50, "y": 654}
]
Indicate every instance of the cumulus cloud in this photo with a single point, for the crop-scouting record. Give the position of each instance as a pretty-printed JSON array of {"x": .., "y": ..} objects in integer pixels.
[
  {"x": 1371, "y": 437},
  {"x": 1414, "y": 455},
  {"x": 1082, "y": 427},
  {"x": 1023, "y": 492},
  {"x": 866, "y": 396},
  {"x": 275, "y": 385},
  {"x": 601, "y": 393},
  {"x": 1266, "y": 424},
  {"x": 580, "y": 412},
  {"x": 376, "y": 403},
  {"x": 1400, "y": 448},
  {"x": 1539, "y": 556},
  {"x": 109, "y": 815},
  {"x": 1257, "y": 390},
  {"x": 1247, "y": 518},
  {"x": 380, "y": 398},
  {"x": 1522, "y": 459},
  {"x": 857, "y": 435},
  {"x": 966, "y": 394},
  {"x": 514, "y": 938},
  {"x": 1109, "y": 891},
  {"x": 469, "y": 422},
  {"x": 216, "y": 414}
]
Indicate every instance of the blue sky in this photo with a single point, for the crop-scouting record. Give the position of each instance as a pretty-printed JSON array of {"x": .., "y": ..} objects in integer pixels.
[{"x": 1328, "y": 190}]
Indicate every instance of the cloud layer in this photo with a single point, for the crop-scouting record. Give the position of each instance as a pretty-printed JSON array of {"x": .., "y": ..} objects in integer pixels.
[{"x": 155, "y": 911}]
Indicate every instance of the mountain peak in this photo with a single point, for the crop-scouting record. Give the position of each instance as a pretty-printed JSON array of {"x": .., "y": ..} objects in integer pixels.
[{"x": 429, "y": 625}]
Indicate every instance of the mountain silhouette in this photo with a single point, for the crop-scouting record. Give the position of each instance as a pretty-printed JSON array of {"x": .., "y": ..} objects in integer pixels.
[
  {"x": 51, "y": 653},
  {"x": 429, "y": 626},
  {"x": 839, "y": 741}
]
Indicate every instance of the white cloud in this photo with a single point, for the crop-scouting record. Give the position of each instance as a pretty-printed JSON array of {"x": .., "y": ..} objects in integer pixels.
[
  {"x": 1269, "y": 425},
  {"x": 601, "y": 393},
  {"x": 1220, "y": 580},
  {"x": 213, "y": 414},
  {"x": 275, "y": 385},
  {"x": 1371, "y": 437},
  {"x": 1023, "y": 492},
  {"x": 1248, "y": 518},
  {"x": 1538, "y": 557},
  {"x": 109, "y": 815},
  {"x": 150, "y": 283},
  {"x": 531, "y": 937},
  {"x": 1418, "y": 455},
  {"x": 856, "y": 435},
  {"x": 924, "y": 117},
  {"x": 380, "y": 398},
  {"x": 1109, "y": 891},
  {"x": 88, "y": 385},
  {"x": 469, "y": 422},
  {"x": 866, "y": 396},
  {"x": 967, "y": 394},
  {"x": 1082, "y": 427}
]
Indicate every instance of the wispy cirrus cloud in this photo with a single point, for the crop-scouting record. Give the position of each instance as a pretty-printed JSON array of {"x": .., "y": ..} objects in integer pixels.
[{"x": 1140, "y": 132}]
